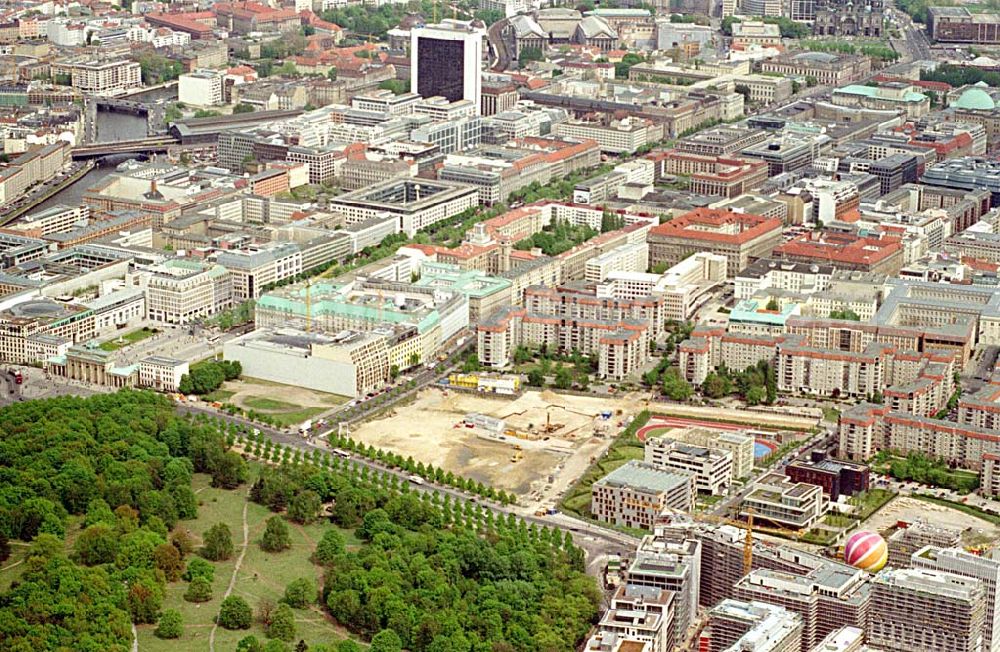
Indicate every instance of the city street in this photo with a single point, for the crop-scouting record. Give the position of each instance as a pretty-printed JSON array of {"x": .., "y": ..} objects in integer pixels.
[{"x": 595, "y": 540}]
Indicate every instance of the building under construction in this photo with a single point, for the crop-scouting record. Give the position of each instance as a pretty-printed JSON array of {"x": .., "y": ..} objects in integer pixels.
[{"x": 725, "y": 557}]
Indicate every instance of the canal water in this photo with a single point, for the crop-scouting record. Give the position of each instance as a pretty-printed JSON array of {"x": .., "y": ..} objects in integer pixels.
[{"x": 111, "y": 127}]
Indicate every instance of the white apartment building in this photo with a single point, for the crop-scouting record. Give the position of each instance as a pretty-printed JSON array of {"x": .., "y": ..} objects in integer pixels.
[
  {"x": 159, "y": 37},
  {"x": 454, "y": 135},
  {"x": 118, "y": 309},
  {"x": 736, "y": 626},
  {"x": 620, "y": 137},
  {"x": 766, "y": 273},
  {"x": 778, "y": 500},
  {"x": 643, "y": 614},
  {"x": 106, "y": 77},
  {"x": 181, "y": 291},
  {"x": 739, "y": 444},
  {"x": 66, "y": 33},
  {"x": 764, "y": 89},
  {"x": 630, "y": 285},
  {"x": 831, "y": 199},
  {"x": 687, "y": 285},
  {"x": 638, "y": 171},
  {"x": 162, "y": 373},
  {"x": 811, "y": 370},
  {"x": 497, "y": 337},
  {"x": 386, "y": 102},
  {"x": 712, "y": 468},
  {"x": 626, "y": 258},
  {"x": 201, "y": 88},
  {"x": 256, "y": 267},
  {"x": 52, "y": 220},
  {"x": 684, "y": 287},
  {"x": 620, "y": 354}
]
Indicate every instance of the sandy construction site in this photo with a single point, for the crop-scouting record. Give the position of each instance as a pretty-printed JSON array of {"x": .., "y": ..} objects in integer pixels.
[
  {"x": 426, "y": 430},
  {"x": 905, "y": 508}
]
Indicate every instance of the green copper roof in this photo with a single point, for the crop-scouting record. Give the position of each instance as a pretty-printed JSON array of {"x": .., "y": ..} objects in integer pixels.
[
  {"x": 873, "y": 92},
  {"x": 975, "y": 99}
]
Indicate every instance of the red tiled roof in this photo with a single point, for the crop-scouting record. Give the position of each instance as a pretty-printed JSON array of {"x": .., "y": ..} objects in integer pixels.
[
  {"x": 840, "y": 247},
  {"x": 697, "y": 225},
  {"x": 428, "y": 250}
]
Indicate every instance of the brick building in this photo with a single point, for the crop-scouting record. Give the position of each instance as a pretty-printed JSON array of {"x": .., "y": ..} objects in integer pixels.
[
  {"x": 883, "y": 255},
  {"x": 740, "y": 237},
  {"x": 836, "y": 477},
  {"x": 716, "y": 175}
]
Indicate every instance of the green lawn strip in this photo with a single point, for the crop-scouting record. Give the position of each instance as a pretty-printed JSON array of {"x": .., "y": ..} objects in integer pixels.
[
  {"x": 838, "y": 520},
  {"x": 297, "y": 416},
  {"x": 626, "y": 447},
  {"x": 219, "y": 395},
  {"x": 871, "y": 501},
  {"x": 817, "y": 537},
  {"x": 939, "y": 474},
  {"x": 263, "y": 403},
  {"x": 128, "y": 338},
  {"x": 656, "y": 432},
  {"x": 831, "y": 414},
  {"x": 707, "y": 501},
  {"x": 989, "y": 517}
]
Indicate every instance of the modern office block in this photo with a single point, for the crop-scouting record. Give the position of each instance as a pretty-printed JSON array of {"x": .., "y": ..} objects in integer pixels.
[{"x": 446, "y": 61}]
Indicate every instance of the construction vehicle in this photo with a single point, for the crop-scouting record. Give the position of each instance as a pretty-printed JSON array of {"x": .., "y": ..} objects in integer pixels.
[
  {"x": 511, "y": 432},
  {"x": 549, "y": 426},
  {"x": 517, "y": 456}
]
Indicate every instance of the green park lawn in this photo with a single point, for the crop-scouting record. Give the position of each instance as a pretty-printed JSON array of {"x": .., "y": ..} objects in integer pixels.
[
  {"x": 261, "y": 575},
  {"x": 12, "y": 569},
  {"x": 282, "y": 412}
]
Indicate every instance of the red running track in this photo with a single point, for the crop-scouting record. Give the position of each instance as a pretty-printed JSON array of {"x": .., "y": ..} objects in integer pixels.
[{"x": 666, "y": 422}]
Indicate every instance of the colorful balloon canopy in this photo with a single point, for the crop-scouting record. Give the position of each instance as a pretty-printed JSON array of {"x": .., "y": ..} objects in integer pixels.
[{"x": 867, "y": 551}]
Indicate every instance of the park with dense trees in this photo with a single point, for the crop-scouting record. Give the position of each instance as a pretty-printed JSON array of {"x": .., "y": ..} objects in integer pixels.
[
  {"x": 120, "y": 467},
  {"x": 97, "y": 499}
]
